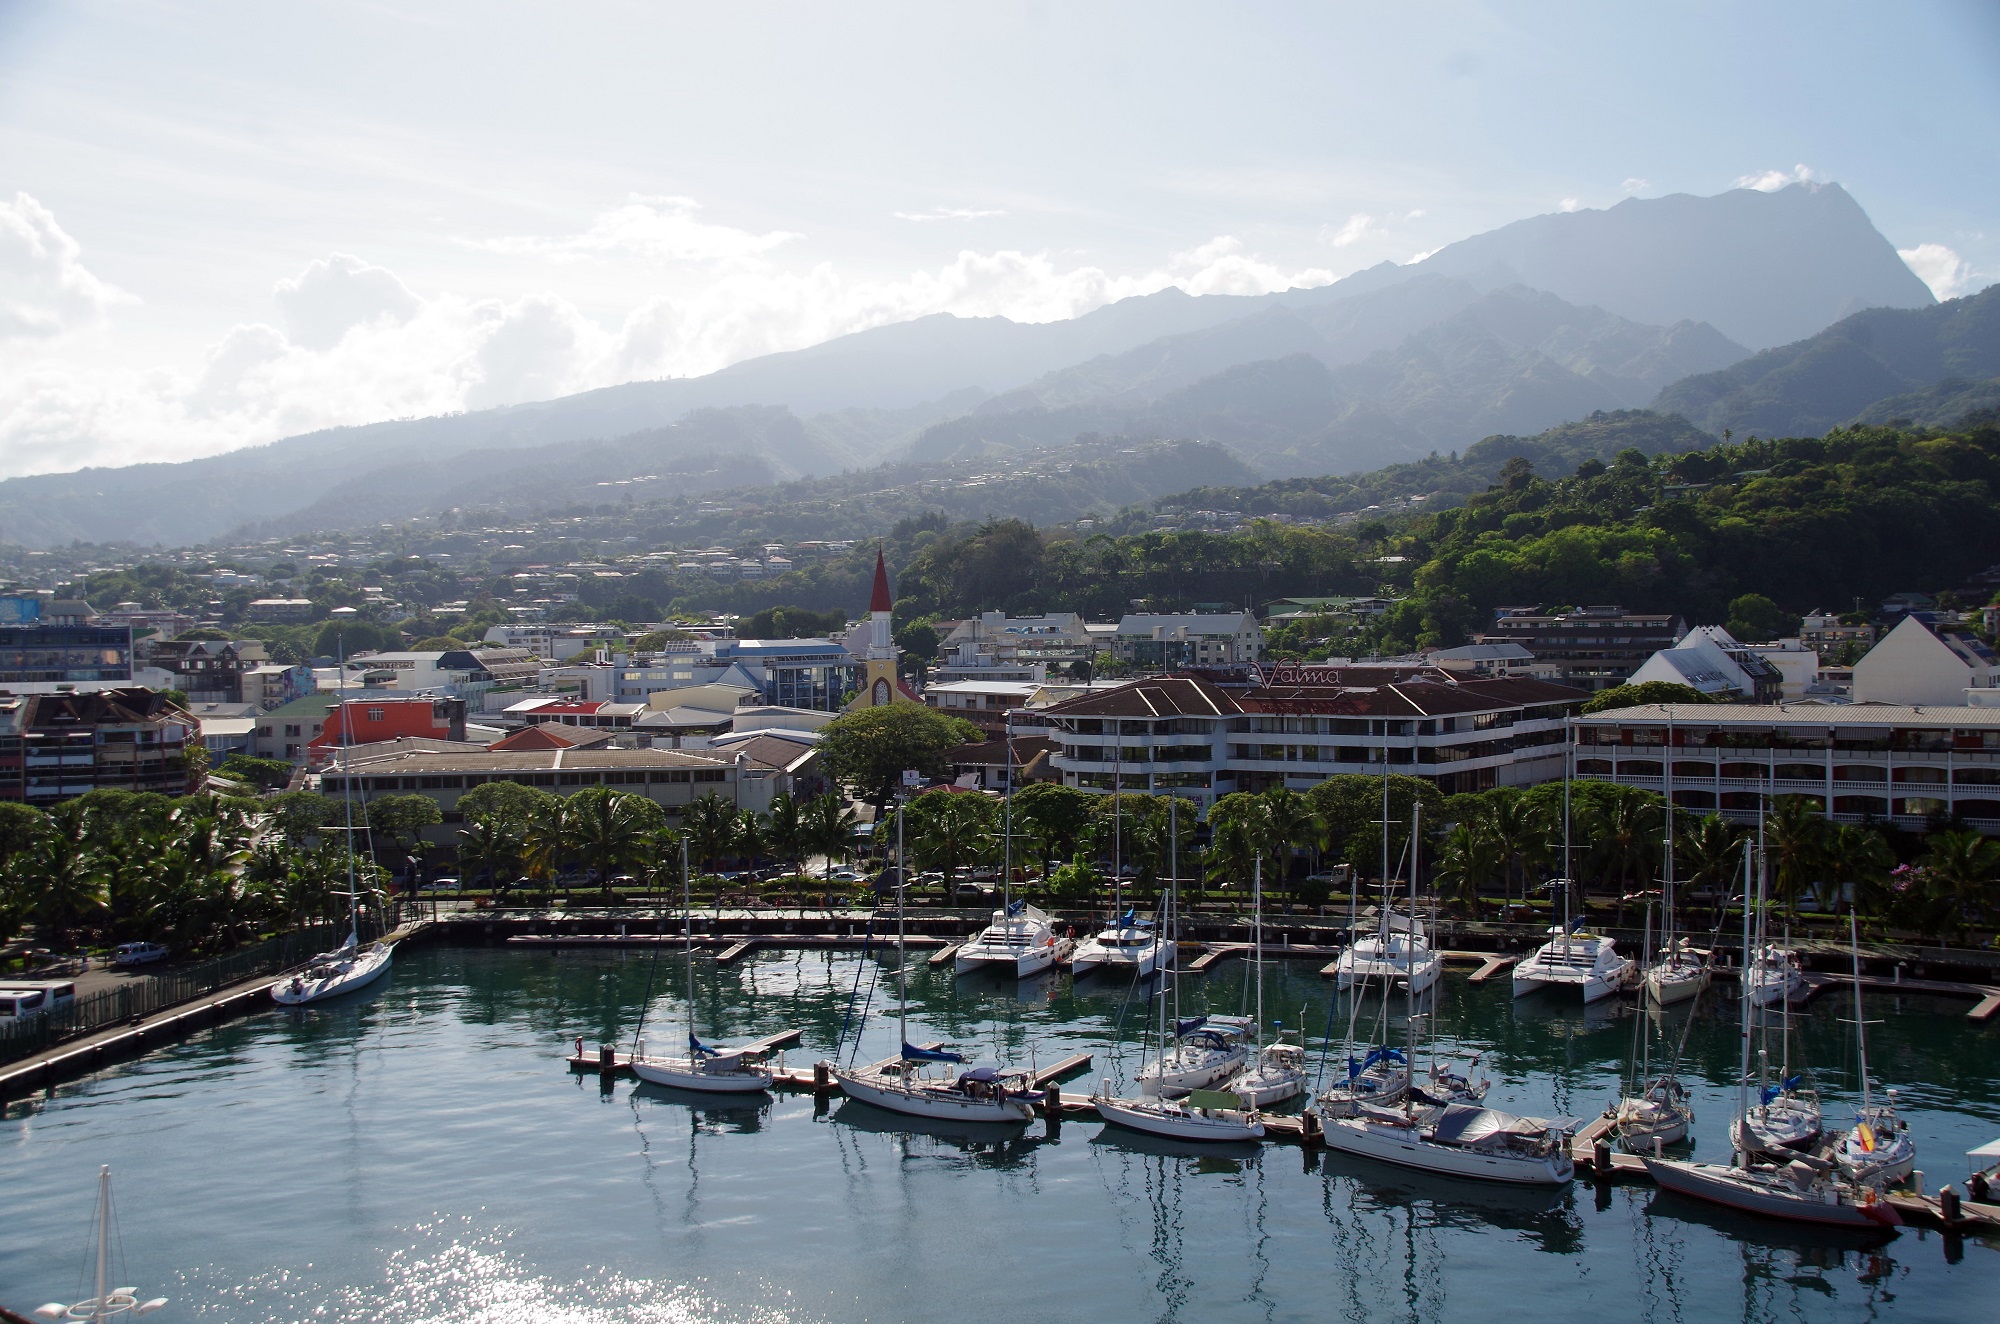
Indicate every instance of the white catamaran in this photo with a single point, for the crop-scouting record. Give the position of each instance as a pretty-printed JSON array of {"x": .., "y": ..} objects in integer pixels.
[{"x": 704, "y": 1068}]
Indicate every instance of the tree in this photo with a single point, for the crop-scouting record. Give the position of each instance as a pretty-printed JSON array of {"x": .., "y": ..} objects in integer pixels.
[
  {"x": 1469, "y": 858},
  {"x": 299, "y": 815},
  {"x": 611, "y": 829},
  {"x": 829, "y": 827},
  {"x": 710, "y": 825},
  {"x": 63, "y": 875},
  {"x": 1755, "y": 619},
  {"x": 949, "y": 829},
  {"x": 1054, "y": 817},
  {"x": 868, "y": 750},
  {"x": 1623, "y": 835},
  {"x": 1350, "y": 805},
  {"x": 267, "y": 774},
  {"x": 1796, "y": 839},
  {"x": 403, "y": 818},
  {"x": 1646, "y": 691},
  {"x": 509, "y": 802},
  {"x": 18, "y": 825},
  {"x": 1964, "y": 869},
  {"x": 786, "y": 829},
  {"x": 491, "y": 846},
  {"x": 1708, "y": 856},
  {"x": 1243, "y": 832}
]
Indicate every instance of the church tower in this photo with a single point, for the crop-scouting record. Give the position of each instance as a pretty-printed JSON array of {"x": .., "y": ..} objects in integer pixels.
[{"x": 879, "y": 685}]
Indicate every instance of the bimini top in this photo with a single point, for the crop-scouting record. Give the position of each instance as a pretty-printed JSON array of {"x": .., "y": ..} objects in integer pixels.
[{"x": 1465, "y": 1124}]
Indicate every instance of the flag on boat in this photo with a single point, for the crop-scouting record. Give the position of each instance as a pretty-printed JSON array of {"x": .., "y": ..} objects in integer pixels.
[{"x": 1866, "y": 1135}]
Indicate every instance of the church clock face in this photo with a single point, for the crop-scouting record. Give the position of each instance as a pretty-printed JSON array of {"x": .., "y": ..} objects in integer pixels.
[{"x": 881, "y": 693}]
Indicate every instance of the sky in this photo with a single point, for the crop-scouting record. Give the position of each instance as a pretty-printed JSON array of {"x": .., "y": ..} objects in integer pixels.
[{"x": 226, "y": 222}]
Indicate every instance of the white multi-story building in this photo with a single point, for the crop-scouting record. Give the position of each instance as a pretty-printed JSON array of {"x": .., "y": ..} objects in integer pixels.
[
  {"x": 1857, "y": 762},
  {"x": 1170, "y": 642},
  {"x": 1304, "y": 724},
  {"x": 1921, "y": 662}
]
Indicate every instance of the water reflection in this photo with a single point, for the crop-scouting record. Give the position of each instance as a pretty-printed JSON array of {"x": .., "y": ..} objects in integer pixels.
[
  {"x": 981, "y": 1144},
  {"x": 1547, "y": 1217}
]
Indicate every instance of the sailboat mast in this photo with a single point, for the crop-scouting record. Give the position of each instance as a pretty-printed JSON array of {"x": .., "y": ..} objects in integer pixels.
[
  {"x": 687, "y": 930},
  {"x": 1257, "y": 941},
  {"x": 1860, "y": 1024},
  {"x": 1667, "y": 890},
  {"x": 1409, "y": 983},
  {"x": 347, "y": 791},
  {"x": 1117, "y": 819},
  {"x": 1007, "y": 817},
  {"x": 1743, "y": 1033},
  {"x": 902, "y": 954},
  {"x": 103, "y": 1240}
]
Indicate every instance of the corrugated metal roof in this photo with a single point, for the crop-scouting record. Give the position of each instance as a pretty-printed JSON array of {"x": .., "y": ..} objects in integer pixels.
[{"x": 1941, "y": 716}]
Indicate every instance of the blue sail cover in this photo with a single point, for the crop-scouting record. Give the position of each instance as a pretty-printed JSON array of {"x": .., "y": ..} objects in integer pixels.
[
  {"x": 1014, "y": 908},
  {"x": 1771, "y": 1092},
  {"x": 1190, "y": 1025},
  {"x": 1126, "y": 920},
  {"x": 697, "y": 1047},
  {"x": 912, "y": 1053},
  {"x": 1374, "y": 1055}
]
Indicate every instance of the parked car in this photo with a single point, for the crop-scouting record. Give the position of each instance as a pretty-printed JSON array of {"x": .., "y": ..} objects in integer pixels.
[
  {"x": 443, "y": 885},
  {"x": 138, "y": 953}
]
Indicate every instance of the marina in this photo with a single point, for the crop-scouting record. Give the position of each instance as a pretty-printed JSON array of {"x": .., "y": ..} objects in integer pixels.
[{"x": 538, "y": 1018}]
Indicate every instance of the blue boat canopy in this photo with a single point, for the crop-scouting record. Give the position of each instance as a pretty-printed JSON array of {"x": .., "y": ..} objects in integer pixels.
[
  {"x": 1771, "y": 1092},
  {"x": 912, "y": 1053},
  {"x": 981, "y": 1073}
]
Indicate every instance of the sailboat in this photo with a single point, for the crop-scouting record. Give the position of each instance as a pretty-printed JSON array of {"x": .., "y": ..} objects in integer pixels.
[
  {"x": 1276, "y": 1071},
  {"x": 1879, "y": 1149},
  {"x": 108, "y": 1301},
  {"x": 1785, "y": 1120},
  {"x": 1659, "y": 1111},
  {"x": 1682, "y": 971},
  {"x": 1399, "y": 948},
  {"x": 1204, "y": 1113},
  {"x": 1772, "y": 975},
  {"x": 354, "y": 964},
  {"x": 1572, "y": 958},
  {"x": 1450, "y": 1138},
  {"x": 707, "y": 1069},
  {"x": 1383, "y": 1075},
  {"x": 1128, "y": 945},
  {"x": 984, "y": 1094},
  {"x": 1801, "y": 1189},
  {"x": 1021, "y": 940}
]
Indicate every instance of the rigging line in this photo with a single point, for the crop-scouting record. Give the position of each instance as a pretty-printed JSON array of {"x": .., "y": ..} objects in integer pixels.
[{"x": 867, "y": 940}]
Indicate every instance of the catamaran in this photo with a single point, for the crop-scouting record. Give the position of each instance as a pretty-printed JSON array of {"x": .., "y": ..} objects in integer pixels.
[
  {"x": 1399, "y": 950},
  {"x": 1801, "y": 1189},
  {"x": 1130, "y": 946},
  {"x": 354, "y": 964},
  {"x": 983, "y": 1094},
  {"x": 708, "y": 1069},
  {"x": 1572, "y": 959},
  {"x": 1021, "y": 941}
]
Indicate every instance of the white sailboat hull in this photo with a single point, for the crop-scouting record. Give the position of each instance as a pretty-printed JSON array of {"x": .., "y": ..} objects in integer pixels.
[
  {"x": 1263, "y": 1086},
  {"x": 345, "y": 974},
  {"x": 1594, "y": 985},
  {"x": 1668, "y": 985},
  {"x": 1093, "y": 958},
  {"x": 1406, "y": 1148},
  {"x": 1891, "y": 1162},
  {"x": 1182, "y": 1073},
  {"x": 1773, "y": 1128},
  {"x": 1769, "y": 1195},
  {"x": 920, "y": 1098},
  {"x": 1583, "y": 963},
  {"x": 1161, "y": 1118},
  {"x": 686, "y": 1074},
  {"x": 1417, "y": 974}
]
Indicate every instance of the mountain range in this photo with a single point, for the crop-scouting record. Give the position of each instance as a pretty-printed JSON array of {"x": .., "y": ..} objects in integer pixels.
[{"x": 1540, "y": 322}]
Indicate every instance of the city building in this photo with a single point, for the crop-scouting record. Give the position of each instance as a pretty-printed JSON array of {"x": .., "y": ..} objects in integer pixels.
[
  {"x": 1507, "y": 660},
  {"x": 370, "y": 719},
  {"x": 880, "y": 684},
  {"x": 1202, "y": 739},
  {"x": 56, "y": 746},
  {"x": 287, "y": 731},
  {"x": 206, "y": 670},
  {"x": 1708, "y": 659},
  {"x": 1823, "y": 630},
  {"x": 1171, "y": 642},
  {"x": 1924, "y": 661},
  {"x": 1857, "y": 762},
  {"x": 269, "y": 685},
  {"x": 597, "y": 714},
  {"x": 281, "y": 611},
  {"x": 671, "y": 778},
  {"x": 1593, "y": 648},
  {"x": 459, "y": 672},
  {"x": 995, "y": 646},
  {"x": 985, "y": 703}
]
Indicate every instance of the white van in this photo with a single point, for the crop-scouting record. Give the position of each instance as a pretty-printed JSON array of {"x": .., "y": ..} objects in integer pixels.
[{"x": 26, "y": 1001}]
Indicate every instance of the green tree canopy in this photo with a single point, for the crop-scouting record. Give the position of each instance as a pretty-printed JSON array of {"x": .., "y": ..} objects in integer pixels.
[
  {"x": 868, "y": 750},
  {"x": 509, "y": 802},
  {"x": 1645, "y": 692}
]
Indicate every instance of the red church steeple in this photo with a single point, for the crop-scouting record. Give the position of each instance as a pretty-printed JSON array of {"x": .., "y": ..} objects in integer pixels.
[{"x": 880, "y": 599}]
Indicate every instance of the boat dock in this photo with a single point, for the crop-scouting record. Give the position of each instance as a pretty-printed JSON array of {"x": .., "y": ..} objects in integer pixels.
[
  {"x": 608, "y": 1059},
  {"x": 1985, "y": 996},
  {"x": 733, "y": 946}
]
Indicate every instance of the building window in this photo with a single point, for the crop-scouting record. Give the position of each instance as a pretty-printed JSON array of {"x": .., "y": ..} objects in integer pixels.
[{"x": 374, "y": 714}]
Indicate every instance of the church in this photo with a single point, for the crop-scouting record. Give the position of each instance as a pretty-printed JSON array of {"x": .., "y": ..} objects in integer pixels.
[{"x": 880, "y": 685}]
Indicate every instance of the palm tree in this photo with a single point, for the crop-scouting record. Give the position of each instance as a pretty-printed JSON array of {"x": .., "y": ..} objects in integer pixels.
[
  {"x": 829, "y": 825},
  {"x": 491, "y": 846},
  {"x": 951, "y": 829},
  {"x": 610, "y": 829},
  {"x": 1294, "y": 825},
  {"x": 788, "y": 832},
  {"x": 203, "y": 896},
  {"x": 63, "y": 875},
  {"x": 1963, "y": 866},
  {"x": 1624, "y": 832},
  {"x": 710, "y": 823},
  {"x": 1708, "y": 855},
  {"x": 1470, "y": 857},
  {"x": 1858, "y": 861},
  {"x": 1795, "y": 835},
  {"x": 545, "y": 840},
  {"x": 1520, "y": 832}
]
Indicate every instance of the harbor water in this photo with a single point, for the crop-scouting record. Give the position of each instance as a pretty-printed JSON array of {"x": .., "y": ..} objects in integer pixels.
[{"x": 420, "y": 1152}]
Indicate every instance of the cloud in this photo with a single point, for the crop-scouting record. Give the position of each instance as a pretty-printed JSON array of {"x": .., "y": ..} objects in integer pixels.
[
  {"x": 339, "y": 292},
  {"x": 1636, "y": 185},
  {"x": 660, "y": 229},
  {"x": 947, "y": 214},
  {"x": 45, "y": 290},
  {"x": 1568, "y": 204},
  {"x": 1770, "y": 181},
  {"x": 352, "y": 343},
  {"x": 1359, "y": 226},
  {"x": 1948, "y": 274}
]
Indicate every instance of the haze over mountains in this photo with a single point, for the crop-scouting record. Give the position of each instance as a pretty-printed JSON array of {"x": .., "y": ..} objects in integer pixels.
[{"x": 1540, "y": 322}]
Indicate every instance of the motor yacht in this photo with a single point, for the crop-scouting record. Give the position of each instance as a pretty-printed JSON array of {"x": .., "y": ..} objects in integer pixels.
[{"x": 1131, "y": 947}]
